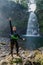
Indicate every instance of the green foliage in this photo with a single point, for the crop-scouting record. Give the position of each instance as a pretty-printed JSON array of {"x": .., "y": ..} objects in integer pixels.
[
  {"x": 39, "y": 4},
  {"x": 17, "y": 60},
  {"x": 40, "y": 13},
  {"x": 24, "y": 3}
]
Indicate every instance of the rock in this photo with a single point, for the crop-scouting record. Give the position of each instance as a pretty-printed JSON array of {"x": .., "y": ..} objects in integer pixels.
[
  {"x": 15, "y": 60},
  {"x": 39, "y": 58},
  {"x": 9, "y": 58},
  {"x": 28, "y": 57},
  {"x": 23, "y": 56},
  {"x": 15, "y": 56},
  {"x": 41, "y": 49},
  {"x": 27, "y": 53},
  {"x": 37, "y": 52},
  {"x": 31, "y": 55},
  {"x": 23, "y": 52},
  {"x": 3, "y": 55},
  {"x": 3, "y": 43},
  {"x": 27, "y": 63},
  {"x": 4, "y": 62},
  {"x": 20, "y": 48},
  {"x": 36, "y": 63}
]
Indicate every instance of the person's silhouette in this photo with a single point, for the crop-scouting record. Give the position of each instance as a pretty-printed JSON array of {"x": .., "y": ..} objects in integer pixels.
[{"x": 14, "y": 37}]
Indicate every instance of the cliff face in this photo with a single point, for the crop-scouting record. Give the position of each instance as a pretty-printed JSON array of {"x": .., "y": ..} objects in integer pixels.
[
  {"x": 39, "y": 10},
  {"x": 18, "y": 14}
]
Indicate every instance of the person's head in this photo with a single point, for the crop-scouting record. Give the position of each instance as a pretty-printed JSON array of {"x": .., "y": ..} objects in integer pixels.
[
  {"x": 10, "y": 19},
  {"x": 14, "y": 28}
]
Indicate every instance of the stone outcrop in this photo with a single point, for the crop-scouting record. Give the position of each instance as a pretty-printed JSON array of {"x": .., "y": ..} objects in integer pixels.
[{"x": 26, "y": 57}]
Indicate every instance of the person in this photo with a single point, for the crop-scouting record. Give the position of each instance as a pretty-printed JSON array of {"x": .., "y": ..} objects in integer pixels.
[{"x": 14, "y": 37}]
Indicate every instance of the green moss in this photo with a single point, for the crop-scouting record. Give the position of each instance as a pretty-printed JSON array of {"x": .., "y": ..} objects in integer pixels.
[{"x": 17, "y": 60}]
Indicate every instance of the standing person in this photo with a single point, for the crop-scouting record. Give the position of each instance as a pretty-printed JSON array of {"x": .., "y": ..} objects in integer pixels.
[{"x": 14, "y": 37}]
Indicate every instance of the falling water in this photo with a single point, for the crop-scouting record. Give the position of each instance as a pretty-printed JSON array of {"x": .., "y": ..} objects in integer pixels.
[{"x": 33, "y": 25}]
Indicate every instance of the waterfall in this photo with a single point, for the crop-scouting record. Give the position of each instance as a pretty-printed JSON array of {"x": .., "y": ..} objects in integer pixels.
[{"x": 33, "y": 25}]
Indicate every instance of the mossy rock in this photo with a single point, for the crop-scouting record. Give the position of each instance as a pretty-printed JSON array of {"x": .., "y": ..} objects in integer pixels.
[
  {"x": 16, "y": 61},
  {"x": 41, "y": 62},
  {"x": 39, "y": 58},
  {"x": 36, "y": 52}
]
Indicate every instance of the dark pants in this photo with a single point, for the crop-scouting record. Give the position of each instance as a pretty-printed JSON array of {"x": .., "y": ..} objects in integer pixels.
[{"x": 14, "y": 42}]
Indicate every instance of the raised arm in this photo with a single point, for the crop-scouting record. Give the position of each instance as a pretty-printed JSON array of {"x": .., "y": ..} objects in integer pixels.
[{"x": 10, "y": 25}]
